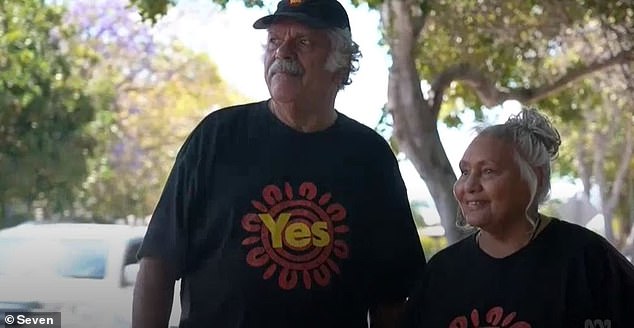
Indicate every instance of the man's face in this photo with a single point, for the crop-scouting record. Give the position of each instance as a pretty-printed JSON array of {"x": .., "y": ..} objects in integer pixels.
[{"x": 295, "y": 63}]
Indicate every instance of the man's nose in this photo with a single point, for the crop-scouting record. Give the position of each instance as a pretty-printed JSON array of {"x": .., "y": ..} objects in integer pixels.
[{"x": 285, "y": 50}]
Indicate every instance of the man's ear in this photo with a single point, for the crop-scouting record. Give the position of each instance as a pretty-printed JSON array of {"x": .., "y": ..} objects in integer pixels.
[{"x": 339, "y": 77}]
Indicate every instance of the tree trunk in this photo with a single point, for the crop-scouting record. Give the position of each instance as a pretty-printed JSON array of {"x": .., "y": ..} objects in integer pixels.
[
  {"x": 582, "y": 167},
  {"x": 415, "y": 123},
  {"x": 620, "y": 179},
  {"x": 629, "y": 230}
]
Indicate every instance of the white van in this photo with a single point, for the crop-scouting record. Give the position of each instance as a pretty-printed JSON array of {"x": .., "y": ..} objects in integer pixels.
[{"x": 85, "y": 271}]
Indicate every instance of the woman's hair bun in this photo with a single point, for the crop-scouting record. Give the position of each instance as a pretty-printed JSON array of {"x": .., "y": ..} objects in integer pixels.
[{"x": 539, "y": 126}]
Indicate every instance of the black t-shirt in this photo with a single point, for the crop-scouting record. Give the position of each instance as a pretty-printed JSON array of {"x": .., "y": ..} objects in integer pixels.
[
  {"x": 568, "y": 277},
  {"x": 271, "y": 227}
]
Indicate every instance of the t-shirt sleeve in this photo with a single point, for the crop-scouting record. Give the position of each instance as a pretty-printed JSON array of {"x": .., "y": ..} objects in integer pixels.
[
  {"x": 609, "y": 277},
  {"x": 612, "y": 285},
  {"x": 167, "y": 236},
  {"x": 399, "y": 258}
]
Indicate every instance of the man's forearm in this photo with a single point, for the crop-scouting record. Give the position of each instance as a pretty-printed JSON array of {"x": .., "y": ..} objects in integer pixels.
[
  {"x": 153, "y": 295},
  {"x": 386, "y": 316}
]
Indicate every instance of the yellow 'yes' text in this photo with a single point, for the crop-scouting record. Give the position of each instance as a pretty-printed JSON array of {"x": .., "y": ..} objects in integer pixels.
[{"x": 298, "y": 234}]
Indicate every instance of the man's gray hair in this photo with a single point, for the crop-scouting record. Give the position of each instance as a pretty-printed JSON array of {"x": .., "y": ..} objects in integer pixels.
[{"x": 344, "y": 54}]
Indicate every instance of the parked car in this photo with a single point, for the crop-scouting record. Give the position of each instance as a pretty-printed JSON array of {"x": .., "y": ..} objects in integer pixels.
[{"x": 85, "y": 271}]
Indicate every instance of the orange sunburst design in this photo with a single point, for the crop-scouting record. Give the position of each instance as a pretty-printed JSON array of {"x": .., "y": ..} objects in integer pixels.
[
  {"x": 296, "y": 236},
  {"x": 494, "y": 318}
]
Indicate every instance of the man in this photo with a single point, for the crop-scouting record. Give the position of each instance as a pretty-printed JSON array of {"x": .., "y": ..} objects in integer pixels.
[{"x": 285, "y": 212}]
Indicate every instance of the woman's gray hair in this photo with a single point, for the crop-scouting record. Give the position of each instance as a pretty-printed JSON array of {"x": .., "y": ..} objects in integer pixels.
[
  {"x": 344, "y": 54},
  {"x": 536, "y": 143}
]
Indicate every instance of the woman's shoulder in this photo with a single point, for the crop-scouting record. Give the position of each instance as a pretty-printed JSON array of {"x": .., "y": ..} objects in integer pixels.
[
  {"x": 585, "y": 244},
  {"x": 576, "y": 236}
]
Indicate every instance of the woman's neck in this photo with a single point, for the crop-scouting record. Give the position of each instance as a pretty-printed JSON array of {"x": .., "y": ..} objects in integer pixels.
[{"x": 500, "y": 244}]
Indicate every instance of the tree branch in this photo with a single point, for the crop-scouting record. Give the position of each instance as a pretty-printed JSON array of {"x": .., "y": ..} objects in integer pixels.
[
  {"x": 418, "y": 22},
  {"x": 491, "y": 95}
]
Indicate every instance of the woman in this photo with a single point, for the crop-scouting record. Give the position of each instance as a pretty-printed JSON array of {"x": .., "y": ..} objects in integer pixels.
[{"x": 520, "y": 268}]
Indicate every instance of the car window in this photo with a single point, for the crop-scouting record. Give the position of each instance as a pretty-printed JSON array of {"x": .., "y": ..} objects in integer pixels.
[
  {"x": 67, "y": 258},
  {"x": 132, "y": 250}
]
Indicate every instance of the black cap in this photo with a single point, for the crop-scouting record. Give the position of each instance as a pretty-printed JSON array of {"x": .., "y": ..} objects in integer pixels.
[{"x": 313, "y": 13}]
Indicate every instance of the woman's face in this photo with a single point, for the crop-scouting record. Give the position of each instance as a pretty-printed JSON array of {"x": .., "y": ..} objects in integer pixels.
[{"x": 490, "y": 190}]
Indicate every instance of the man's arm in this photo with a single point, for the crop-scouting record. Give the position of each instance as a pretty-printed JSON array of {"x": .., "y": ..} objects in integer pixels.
[
  {"x": 153, "y": 294},
  {"x": 386, "y": 315},
  {"x": 399, "y": 258}
]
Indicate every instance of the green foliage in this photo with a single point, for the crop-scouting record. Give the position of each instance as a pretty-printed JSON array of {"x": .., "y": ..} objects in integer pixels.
[
  {"x": 432, "y": 245},
  {"x": 152, "y": 10},
  {"x": 151, "y": 124},
  {"x": 44, "y": 107},
  {"x": 517, "y": 44},
  {"x": 160, "y": 91},
  {"x": 550, "y": 208},
  {"x": 90, "y": 118}
]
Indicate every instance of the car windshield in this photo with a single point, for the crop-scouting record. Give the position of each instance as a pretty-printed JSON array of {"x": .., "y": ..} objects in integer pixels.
[{"x": 68, "y": 258}]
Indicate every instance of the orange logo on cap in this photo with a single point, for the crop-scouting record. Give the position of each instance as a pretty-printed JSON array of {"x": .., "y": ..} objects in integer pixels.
[{"x": 295, "y": 2}]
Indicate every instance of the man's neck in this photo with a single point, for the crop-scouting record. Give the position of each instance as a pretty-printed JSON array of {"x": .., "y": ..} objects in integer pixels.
[{"x": 304, "y": 117}]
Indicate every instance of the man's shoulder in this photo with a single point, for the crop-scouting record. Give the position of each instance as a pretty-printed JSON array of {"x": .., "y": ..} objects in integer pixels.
[
  {"x": 355, "y": 126},
  {"x": 231, "y": 113},
  {"x": 218, "y": 124},
  {"x": 225, "y": 119},
  {"x": 363, "y": 133}
]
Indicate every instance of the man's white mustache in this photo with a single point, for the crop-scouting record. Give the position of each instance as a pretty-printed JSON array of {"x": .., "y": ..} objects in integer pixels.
[{"x": 285, "y": 66}]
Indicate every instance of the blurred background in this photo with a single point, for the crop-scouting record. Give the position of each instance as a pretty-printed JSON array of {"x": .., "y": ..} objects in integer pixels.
[{"x": 96, "y": 97}]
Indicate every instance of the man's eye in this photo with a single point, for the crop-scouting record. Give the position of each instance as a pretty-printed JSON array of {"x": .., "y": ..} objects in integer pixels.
[
  {"x": 304, "y": 42},
  {"x": 488, "y": 171}
]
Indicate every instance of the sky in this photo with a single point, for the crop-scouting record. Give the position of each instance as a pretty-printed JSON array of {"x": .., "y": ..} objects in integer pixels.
[{"x": 228, "y": 37}]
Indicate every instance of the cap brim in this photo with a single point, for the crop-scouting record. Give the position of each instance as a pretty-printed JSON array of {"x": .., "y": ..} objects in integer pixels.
[{"x": 267, "y": 21}]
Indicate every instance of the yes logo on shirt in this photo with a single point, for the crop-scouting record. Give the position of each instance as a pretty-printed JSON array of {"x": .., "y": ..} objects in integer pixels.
[{"x": 296, "y": 234}]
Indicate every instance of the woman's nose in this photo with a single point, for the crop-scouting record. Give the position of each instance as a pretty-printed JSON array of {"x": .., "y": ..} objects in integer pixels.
[{"x": 472, "y": 183}]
